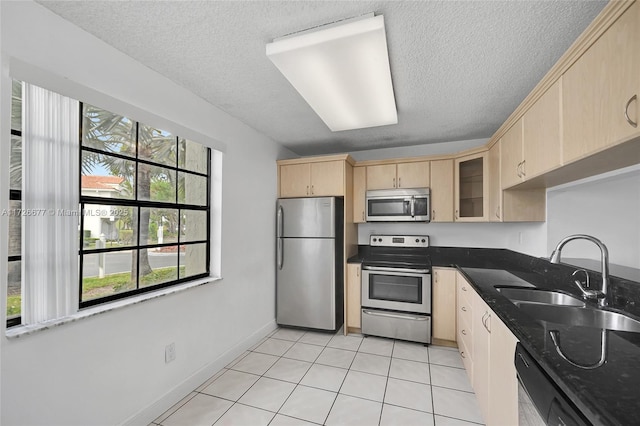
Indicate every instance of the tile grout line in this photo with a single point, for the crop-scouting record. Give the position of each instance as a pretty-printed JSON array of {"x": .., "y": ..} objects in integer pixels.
[
  {"x": 231, "y": 365},
  {"x": 341, "y": 384},
  {"x": 252, "y": 350},
  {"x": 433, "y": 405},
  {"x": 297, "y": 384},
  {"x": 386, "y": 383}
]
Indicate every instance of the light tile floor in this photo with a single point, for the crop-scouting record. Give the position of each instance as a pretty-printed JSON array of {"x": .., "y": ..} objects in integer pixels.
[{"x": 295, "y": 377}]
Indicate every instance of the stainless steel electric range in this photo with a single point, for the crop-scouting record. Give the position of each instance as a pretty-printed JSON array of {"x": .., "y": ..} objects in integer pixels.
[{"x": 396, "y": 288}]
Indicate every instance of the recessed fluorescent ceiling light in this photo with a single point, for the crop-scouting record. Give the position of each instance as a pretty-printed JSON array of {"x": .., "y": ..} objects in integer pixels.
[{"x": 342, "y": 71}]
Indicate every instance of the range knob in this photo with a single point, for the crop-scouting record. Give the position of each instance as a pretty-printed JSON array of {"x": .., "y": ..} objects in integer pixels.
[
  {"x": 417, "y": 240},
  {"x": 424, "y": 241}
]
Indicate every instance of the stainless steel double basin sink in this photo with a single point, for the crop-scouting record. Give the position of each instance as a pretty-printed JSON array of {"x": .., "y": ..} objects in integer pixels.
[{"x": 561, "y": 308}]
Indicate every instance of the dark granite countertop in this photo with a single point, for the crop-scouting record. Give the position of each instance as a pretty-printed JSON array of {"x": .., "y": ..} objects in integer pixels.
[{"x": 606, "y": 395}]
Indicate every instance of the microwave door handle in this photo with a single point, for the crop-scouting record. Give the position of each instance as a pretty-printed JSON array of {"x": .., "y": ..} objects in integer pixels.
[{"x": 413, "y": 206}]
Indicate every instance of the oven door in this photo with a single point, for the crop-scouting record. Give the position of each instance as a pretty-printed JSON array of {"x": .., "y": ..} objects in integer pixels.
[{"x": 396, "y": 289}]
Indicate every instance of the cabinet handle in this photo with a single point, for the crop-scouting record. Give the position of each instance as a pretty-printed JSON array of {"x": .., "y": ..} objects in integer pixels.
[
  {"x": 399, "y": 182},
  {"x": 311, "y": 189},
  {"x": 524, "y": 171},
  {"x": 357, "y": 272},
  {"x": 464, "y": 288},
  {"x": 462, "y": 354},
  {"x": 394, "y": 182},
  {"x": 519, "y": 173},
  {"x": 498, "y": 212},
  {"x": 433, "y": 215},
  {"x": 456, "y": 214},
  {"x": 307, "y": 189},
  {"x": 464, "y": 332},
  {"x": 464, "y": 309},
  {"x": 363, "y": 216},
  {"x": 626, "y": 111},
  {"x": 435, "y": 276},
  {"x": 486, "y": 320}
]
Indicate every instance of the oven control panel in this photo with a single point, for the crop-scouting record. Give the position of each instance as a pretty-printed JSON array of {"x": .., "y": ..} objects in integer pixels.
[{"x": 399, "y": 240}]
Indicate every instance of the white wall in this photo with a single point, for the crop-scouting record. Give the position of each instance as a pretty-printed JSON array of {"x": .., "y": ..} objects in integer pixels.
[
  {"x": 605, "y": 206},
  {"x": 109, "y": 369},
  {"x": 528, "y": 238}
]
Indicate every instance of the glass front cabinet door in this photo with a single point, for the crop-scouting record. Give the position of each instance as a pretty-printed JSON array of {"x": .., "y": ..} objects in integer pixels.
[{"x": 471, "y": 188}]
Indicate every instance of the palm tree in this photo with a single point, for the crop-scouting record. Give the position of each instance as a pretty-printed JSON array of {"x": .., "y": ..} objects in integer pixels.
[{"x": 112, "y": 133}]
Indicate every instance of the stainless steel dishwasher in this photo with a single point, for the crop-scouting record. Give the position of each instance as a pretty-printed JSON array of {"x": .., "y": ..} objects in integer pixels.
[{"x": 540, "y": 401}]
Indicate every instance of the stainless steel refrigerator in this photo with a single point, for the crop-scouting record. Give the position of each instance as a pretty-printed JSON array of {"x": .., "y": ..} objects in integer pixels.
[{"x": 309, "y": 263}]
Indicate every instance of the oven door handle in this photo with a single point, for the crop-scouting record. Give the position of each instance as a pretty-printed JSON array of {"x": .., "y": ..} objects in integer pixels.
[
  {"x": 390, "y": 315},
  {"x": 406, "y": 270}
]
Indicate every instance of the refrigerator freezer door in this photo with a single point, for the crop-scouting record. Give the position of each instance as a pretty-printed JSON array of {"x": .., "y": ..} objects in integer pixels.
[
  {"x": 306, "y": 217},
  {"x": 306, "y": 287}
]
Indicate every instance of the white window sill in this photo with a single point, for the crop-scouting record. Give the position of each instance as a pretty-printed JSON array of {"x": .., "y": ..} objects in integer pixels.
[{"x": 24, "y": 330}]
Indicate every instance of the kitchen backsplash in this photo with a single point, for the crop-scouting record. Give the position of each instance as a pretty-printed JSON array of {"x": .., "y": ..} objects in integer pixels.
[{"x": 525, "y": 238}]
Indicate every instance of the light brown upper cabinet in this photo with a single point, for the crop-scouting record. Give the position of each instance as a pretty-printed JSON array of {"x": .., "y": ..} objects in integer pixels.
[
  {"x": 600, "y": 91},
  {"x": 512, "y": 205},
  {"x": 471, "y": 189},
  {"x": 401, "y": 175},
  {"x": 542, "y": 144},
  {"x": 532, "y": 145},
  {"x": 511, "y": 161},
  {"x": 495, "y": 188},
  {"x": 315, "y": 179},
  {"x": 359, "y": 193},
  {"x": 442, "y": 191},
  {"x": 294, "y": 180}
]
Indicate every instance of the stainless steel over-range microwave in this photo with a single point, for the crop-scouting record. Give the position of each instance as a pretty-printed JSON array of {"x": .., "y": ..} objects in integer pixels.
[{"x": 398, "y": 205}]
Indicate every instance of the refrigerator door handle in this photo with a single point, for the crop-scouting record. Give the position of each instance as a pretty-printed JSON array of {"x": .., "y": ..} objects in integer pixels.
[
  {"x": 280, "y": 225},
  {"x": 280, "y": 221}
]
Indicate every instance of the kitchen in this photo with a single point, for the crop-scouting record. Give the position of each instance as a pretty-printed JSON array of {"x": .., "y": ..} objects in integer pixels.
[{"x": 56, "y": 369}]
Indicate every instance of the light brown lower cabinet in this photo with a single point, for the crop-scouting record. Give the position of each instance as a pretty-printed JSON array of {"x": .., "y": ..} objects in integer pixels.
[
  {"x": 352, "y": 298},
  {"x": 503, "y": 384},
  {"x": 444, "y": 304},
  {"x": 493, "y": 371}
]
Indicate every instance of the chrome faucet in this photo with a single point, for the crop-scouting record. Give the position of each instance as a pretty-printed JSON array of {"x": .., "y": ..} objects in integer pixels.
[{"x": 604, "y": 259}]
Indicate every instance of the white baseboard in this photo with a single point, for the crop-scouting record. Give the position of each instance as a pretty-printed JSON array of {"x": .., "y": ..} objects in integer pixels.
[{"x": 147, "y": 414}]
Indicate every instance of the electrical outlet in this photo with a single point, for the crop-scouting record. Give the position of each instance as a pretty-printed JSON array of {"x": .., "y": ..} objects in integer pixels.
[{"x": 170, "y": 352}]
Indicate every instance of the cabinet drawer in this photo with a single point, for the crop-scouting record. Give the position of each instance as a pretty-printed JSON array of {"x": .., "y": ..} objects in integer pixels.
[
  {"x": 464, "y": 291},
  {"x": 465, "y": 310},
  {"x": 463, "y": 335},
  {"x": 467, "y": 359}
]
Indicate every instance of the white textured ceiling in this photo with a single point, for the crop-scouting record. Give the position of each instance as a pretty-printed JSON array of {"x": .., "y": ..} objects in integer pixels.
[{"x": 459, "y": 68}]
